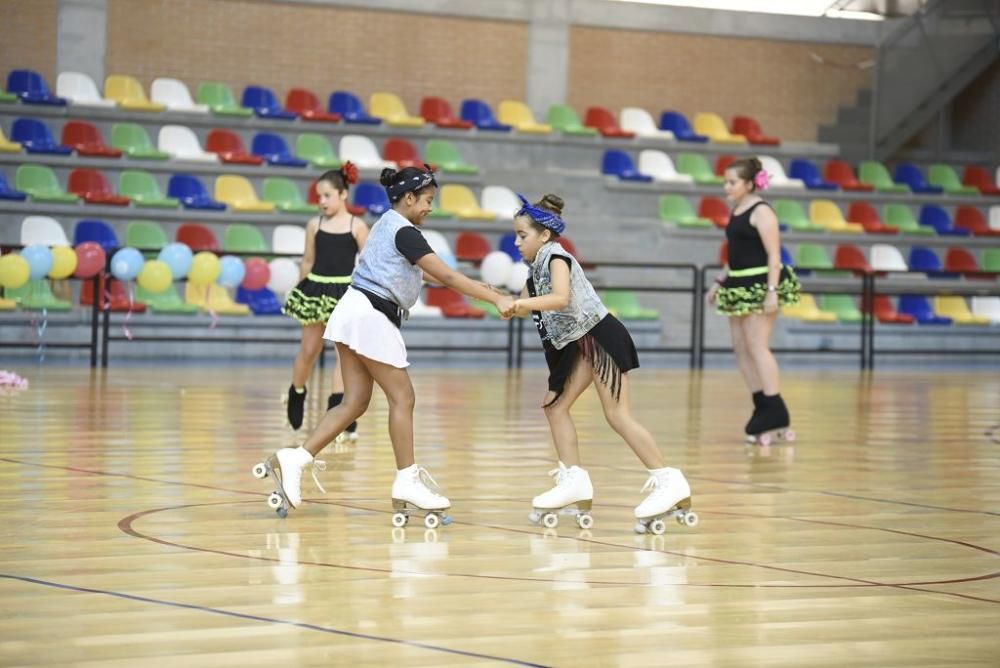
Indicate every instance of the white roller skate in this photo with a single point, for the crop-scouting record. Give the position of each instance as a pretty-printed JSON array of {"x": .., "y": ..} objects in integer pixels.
[
  {"x": 285, "y": 468},
  {"x": 411, "y": 493},
  {"x": 573, "y": 492},
  {"x": 670, "y": 497}
]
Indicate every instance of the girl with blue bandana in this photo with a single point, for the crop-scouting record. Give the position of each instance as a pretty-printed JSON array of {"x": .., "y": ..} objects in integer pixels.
[{"x": 585, "y": 344}]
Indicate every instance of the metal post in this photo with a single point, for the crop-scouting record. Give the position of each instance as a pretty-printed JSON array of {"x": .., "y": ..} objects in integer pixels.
[
  {"x": 697, "y": 316},
  {"x": 94, "y": 311}
]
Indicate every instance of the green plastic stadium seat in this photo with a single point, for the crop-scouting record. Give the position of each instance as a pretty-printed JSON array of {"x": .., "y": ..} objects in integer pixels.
[
  {"x": 285, "y": 195},
  {"x": 317, "y": 150},
  {"x": 133, "y": 140},
  {"x": 563, "y": 118},
  {"x": 443, "y": 154},
  {"x": 677, "y": 210},
  {"x": 143, "y": 190},
  {"x": 219, "y": 98},
  {"x": 41, "y": 184}
]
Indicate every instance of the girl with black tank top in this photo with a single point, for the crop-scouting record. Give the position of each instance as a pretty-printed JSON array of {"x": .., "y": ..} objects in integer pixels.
[
  {"x": 752, "y": 287},
  {"x": 333, "y": 241}
]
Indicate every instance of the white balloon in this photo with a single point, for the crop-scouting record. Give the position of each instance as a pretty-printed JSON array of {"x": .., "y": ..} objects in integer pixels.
[
  {"x": 496, "y": 268},
  {"x": 284, "y": 275},
  {"x": 518, "y": 277}
]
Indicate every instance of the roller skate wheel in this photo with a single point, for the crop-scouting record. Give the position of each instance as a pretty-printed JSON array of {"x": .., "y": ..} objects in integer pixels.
[
  {"x": 432, "y": 521},
  {"x": 751, "y": 439},
  {"x": 446, "y": 520},
  {"x": 658, "y": 527},
  {"x": 352, "y": 436},
  {"x": 274, "y": 501},
  {"x": 584, "y": 521},
  {"x": 341, "y": 438},
  {"x": 259, "y": 471},
  {"x": 639, "y": 527},
  {"x": 550, "y": 520},
  {"x": 691, "y": 519},
  {"x": 399, "y": 520},
  {"x": 282, "y": 512},
  {"x": 764, "y": 439},
  {"x": 534, "y": 517},
  {"x": 789, "y": 435}
]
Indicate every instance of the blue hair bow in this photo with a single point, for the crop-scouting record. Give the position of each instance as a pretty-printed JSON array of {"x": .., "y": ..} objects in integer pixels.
[{"x": 540, "y": 216}]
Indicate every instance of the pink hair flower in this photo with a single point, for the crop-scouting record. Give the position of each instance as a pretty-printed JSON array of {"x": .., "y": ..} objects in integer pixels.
[{"x": 762, "y": 179}]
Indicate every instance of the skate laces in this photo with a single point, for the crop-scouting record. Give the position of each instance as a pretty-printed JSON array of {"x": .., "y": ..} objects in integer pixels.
[
  {"x": 653, "y": 484},
  {"x": 317, "y": 465},
  {"x": 560, "y": 475},
  {"x": 427, "y": 480}
]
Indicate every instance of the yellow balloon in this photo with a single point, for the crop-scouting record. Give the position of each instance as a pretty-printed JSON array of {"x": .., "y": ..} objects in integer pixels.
[
  {"x": 155, "y": 276},
  {"x": 14, "y": 271},
  {"x": 204, "y": 268},
  {"x": 63, "y": 262}
]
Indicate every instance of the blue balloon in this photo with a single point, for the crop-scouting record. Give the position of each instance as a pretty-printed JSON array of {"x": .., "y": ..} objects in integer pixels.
[
  {"x": 126, "y": 264},
  {"x": 231, "y": 271},
  {"x": 39, "y": 259},
  {"x": 178, "y": 257}
]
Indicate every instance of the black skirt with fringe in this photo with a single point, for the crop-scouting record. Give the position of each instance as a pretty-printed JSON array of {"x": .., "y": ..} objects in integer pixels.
[
  {"x": 311, "y": 302},
  {"x": 607, "y": 346}
]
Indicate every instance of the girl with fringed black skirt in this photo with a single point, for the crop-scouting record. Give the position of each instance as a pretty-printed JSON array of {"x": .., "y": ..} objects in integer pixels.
[{"x": 584, "y": 344}]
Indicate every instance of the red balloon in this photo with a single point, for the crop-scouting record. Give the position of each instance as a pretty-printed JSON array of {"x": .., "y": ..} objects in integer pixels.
[
  {"x": 257, "y": 274},
  {"x": 90, "y": 259}
]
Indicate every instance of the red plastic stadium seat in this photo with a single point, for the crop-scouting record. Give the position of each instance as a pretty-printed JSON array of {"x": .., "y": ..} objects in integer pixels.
[
  {"x": 972, "y": 219},
  {"x": 306, "y": 105},
  {"x": 86, "y": 140},
  {"x": 91, "y": 186},
  {"x": 715, "y": 210},
  {"x": 850, "y": 257},
  {"x": 722, "y": 162},
  {"x": 974, "y": 176},
  {"x": 402, "y": 152},
  {"x": 471, "y": 247},
  {"x": 114, "y": 296},
  {"x": 451, "y": 303},
  {"x": 229, "y": 147},
  {"x": 197, "y": 237},
  {"x": 885, "y": 312},
  {"x": 604, "y": 122},
  {"x": 750, "y": 128},
  {"x": 961, "y": 261},
  {"x": 864, "y": 213},
  {"x": 841, "y": 173},
  {"x": 437, "y": 111}
]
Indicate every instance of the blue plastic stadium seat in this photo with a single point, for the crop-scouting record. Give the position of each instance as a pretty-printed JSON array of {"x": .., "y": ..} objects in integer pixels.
[
  {"x": 618, "y": 163},
  {"x": 677, "y": 123},
  {"x": 350, "y": 108},
  {"x": 938, "y": 218},
  {"x": 508, "y": 245},
  {"x": 911, "y": 175},
  {"x": 273, "y": 148},
  {"x": 95, "y": 230},
  {"x": 261, "y": 302},
  {"x": 192, "y": 194},
  {"x": 920, "y": 309},
  {"x": 372, "y": 197},
  {"x": 265, "y": 104},
  {"x": 809, "y": 174},
  {"x": 34, "y": 135},
  {"x": 30, "y": 87},
  {"x": 786, "y": 258},
  {"x": 924, "y": 259},
  {"x": 479, "y": 114},
  {"x": 6, "y": 192}
]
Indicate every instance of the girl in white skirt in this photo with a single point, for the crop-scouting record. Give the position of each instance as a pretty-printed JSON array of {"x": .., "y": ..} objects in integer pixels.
[{"x": 365, "y": 327}]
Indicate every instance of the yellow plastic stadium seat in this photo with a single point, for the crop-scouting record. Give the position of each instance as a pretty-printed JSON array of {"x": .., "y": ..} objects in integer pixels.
[
  {"x": 459, "y": 201},
  {"x": 128, "y": 93},
  {"x": 826, "y": 213},
  {"x": 517, "y": 114},
  {"x": 239, "y": 195},
  {"x": 214, "y": 298},
  {"x": 7, "y": 304},
  {"x": 807, "y": 311},
  {"x": 8, "y": 146},
  {"x": 391, "y": 109},
  {"x": 954, "y": 307},
  {"x": 712, "y": 126}
]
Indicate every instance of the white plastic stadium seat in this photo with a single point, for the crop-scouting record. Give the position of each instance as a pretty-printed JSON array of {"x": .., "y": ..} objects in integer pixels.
[
  {"x": 659, "y": 165},
  {"x": 885, "y": 257},
  {"x": 995, "y": 217},
  {"x": 182, "y": 144},
  {"x": 778, "y": 178},
  {"x": 289, "y": 239},
  {"x": 81, "y": 90},
  {"x": 637, "y": 120},
  {"x": 362, "y": 152},
  {"x": 988, "y": 307},
  {"x": 422, "y": 310},
  {"x": 43, "y": 230},
  {"x": 500, "y": 200},
  {"x": 175, "y": 95}
]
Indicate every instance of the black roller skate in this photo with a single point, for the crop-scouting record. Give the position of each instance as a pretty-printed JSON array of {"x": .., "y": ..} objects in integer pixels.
[
  {"x": 758, "y": 403},
  {"x": 349, "y": 434},
  {"x": 772, "y": 423},
  {"x": 296, "y": 405}
]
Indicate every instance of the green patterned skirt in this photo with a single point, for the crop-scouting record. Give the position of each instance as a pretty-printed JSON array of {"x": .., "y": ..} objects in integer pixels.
[
  {"x": 743, "y": 294},
  {"x": 312, "y": 301}
]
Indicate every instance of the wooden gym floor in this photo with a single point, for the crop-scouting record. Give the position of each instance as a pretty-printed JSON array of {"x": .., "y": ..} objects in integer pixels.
[{"x": 134, "y": 533}]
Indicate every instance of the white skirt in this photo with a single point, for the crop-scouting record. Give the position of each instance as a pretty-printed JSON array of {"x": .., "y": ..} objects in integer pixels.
[{"x": 357, "y": 325}]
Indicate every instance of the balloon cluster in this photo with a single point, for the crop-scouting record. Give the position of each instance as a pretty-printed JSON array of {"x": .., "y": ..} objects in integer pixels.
[
  {"x": 174, "y": 262},
  {"x": 500, "y": 270}
]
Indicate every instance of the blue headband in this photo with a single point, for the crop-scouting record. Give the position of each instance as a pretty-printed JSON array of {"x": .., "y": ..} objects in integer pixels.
[{"x": 541, "y": 216}]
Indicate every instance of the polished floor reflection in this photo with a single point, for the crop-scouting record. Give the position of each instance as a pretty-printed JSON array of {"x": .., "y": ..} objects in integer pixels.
[{"x": 134, "y": 533}]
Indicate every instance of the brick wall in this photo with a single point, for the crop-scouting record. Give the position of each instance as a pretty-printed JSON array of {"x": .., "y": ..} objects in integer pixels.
[
  {"x": 29, "y": 37},
  {"x": 778, "y": 83},
  {"x": 320, "y": 48}
]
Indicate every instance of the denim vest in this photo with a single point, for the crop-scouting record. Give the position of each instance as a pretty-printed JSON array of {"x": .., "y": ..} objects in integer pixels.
[
  {"x": 382, "y": 269},
  {"x": 584, "y": 309}
]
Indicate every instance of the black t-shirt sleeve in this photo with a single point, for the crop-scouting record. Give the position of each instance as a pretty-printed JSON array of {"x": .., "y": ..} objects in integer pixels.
[
  {"x": 411, "y": 244},
  {"x": 563, "y": 258}
]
